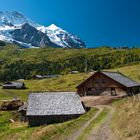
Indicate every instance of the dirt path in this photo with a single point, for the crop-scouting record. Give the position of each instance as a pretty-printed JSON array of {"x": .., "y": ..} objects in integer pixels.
[
  {"x": 104, "y": 132},
  {"x": 77, "y": 133}
]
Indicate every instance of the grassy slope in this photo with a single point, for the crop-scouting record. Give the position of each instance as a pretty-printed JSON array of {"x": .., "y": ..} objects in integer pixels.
[
  {"x": 130, "y": 111},
  {"x": 126, "y": 120},
  {"x": 21, "y": 131},
  {"x": 131, "y": 71},
  {"x": 16, "y": 63},
  {"x": 63, "y": 83},
  {"x": 11, "y": 53}
]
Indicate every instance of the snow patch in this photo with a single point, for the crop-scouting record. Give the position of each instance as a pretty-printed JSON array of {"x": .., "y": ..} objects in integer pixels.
[{"x": 53, "y": 27}]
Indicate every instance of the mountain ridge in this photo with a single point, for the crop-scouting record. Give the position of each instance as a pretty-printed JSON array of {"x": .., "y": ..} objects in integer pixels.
[{"x": 11, "y": 22}]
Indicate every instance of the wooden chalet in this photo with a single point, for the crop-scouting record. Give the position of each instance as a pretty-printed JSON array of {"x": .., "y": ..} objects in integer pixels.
[
  {"x": 46, "y": 108},
  {"x": 108, "y": 83}
]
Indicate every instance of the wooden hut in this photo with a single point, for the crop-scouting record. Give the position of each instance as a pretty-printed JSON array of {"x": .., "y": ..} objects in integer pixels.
[
  {"x": 46, "y": 108},
  {"x": 39, "y": 77},
  {"x": 108, "y": 83},
  {"x": 14, "y": 85},
  {"x": 74, "y": 72}
]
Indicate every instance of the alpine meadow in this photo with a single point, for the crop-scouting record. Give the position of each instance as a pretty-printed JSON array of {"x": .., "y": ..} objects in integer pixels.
[
  {"x": 18, "y": 63},
  {"x": 70, "y": 70}
]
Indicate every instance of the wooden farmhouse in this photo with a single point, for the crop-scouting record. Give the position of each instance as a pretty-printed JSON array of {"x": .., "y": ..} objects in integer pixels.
[
  {"x": 46, "y": 108},
  {"x": 108, "y": 83}
]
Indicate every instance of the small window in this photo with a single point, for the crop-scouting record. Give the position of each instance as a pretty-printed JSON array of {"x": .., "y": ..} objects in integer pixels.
[
  {"x": 96, "y": 82},
  {"x": 113, "y": 92},
  {"x": 103, "y": 81},
  {"x": 89, "y": 89}
]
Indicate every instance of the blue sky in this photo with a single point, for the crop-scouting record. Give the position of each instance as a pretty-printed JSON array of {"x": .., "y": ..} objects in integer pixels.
[{"x": 97, "y": 22}]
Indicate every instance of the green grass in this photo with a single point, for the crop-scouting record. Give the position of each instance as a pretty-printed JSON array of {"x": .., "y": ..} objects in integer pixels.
[
  {"x": 62, "y": 83},
  {"x": 132, "y": 71},
  {"x": 13, "y": 52},
  {"x": 7, "y": 129},
  {"x": 66, "y": 129},
  {"x": 68, "y": 83},
  {"x": 16, "y": 63},
  {"x": 126, "y": 119},
  {"x": 93, "y": 124},
  {"x": 21, "y": 131}
]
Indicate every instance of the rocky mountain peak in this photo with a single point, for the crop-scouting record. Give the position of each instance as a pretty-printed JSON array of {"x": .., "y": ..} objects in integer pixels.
[{"x": 15, "y": 27}]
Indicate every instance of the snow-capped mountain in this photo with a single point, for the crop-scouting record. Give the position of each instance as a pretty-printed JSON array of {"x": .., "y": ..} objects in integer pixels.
[
  {"x": 16, "y": 28},
  {"x": 14, "y": 19}
]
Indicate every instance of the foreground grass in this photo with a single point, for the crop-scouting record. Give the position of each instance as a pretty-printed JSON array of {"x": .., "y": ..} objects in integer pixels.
[
  {"x": 21, "y": 131},
  {"x": 126, "y": 120},
  {"x": 12, "y": 130},
  {"x": 93, "y": 124},
  {"x": 68, "y": 128}
]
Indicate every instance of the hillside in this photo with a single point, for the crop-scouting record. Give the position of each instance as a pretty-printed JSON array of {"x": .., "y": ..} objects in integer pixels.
[
  {"x": 126, "y": 127},
  {"x": 17, "y": 63},
  {"x": 126, "y": 120},
  {"x": 63, "y": 83}
]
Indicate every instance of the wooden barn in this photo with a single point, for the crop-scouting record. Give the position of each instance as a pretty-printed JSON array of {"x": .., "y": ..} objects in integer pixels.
[
  {"x": 108, "y": 83},
  {"x": 53, "y": 107}
]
